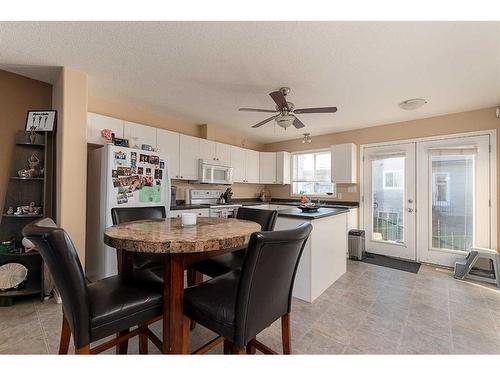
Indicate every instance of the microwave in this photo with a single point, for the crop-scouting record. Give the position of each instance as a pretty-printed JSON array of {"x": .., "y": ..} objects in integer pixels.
[{"x": 215, "y": 172}]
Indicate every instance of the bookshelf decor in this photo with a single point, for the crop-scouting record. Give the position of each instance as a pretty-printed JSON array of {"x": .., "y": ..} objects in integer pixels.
[{"x": 29, "y": 195}]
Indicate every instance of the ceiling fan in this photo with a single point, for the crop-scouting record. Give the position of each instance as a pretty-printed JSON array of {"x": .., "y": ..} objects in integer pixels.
[{"x": 285, "y": 111}]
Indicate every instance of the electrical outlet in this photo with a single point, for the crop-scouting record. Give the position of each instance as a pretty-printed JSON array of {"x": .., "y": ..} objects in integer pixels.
[
  {"x": 339, "y": 195},
  {"x": 351, "y": 189}
]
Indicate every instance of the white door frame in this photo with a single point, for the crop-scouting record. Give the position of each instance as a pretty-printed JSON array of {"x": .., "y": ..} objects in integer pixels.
[{"x": 492, "y": 176}]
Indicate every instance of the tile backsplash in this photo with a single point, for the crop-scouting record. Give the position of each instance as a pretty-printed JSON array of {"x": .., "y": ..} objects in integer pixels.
[{"x": 239, "y": 190}]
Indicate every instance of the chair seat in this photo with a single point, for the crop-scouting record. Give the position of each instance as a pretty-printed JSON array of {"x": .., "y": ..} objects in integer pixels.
[
  {"x": 212, "y": 303},
  {"x": 118, "y": 302},
  {"x": 221, "y": 264}
]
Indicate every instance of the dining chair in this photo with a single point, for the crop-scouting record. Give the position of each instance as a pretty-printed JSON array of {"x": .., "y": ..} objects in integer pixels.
[
  {"x": 241, "y": 303},
  {"x": 92, "y": 311},
  {"x": 121, "y": 215},
  {"x": 221, "y": 264}
]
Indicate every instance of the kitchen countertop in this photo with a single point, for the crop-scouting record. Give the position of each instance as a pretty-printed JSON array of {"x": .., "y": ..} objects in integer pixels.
[
  {"x": 254, "y": 202},
  {"x": 321, "y": 213}
]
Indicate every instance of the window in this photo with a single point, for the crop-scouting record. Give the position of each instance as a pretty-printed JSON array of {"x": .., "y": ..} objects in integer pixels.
[
  {"x": 393, "y": 179},
  {"x": 312, "y": 173}
]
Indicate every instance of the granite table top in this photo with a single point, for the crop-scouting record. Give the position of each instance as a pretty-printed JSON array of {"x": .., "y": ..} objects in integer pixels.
[{"x": 169, "y": 236}]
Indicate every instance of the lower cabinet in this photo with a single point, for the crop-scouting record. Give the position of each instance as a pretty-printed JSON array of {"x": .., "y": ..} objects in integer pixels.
[{"x": 201, "y": 212}]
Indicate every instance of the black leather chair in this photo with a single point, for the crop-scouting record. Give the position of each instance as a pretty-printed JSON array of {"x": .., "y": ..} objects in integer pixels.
[
  {"x": 96, "y": 310},
  {"x": 221, "y": 264},
  {"x": 125, "y": 214},
  {"x": 240, "y": 304}
]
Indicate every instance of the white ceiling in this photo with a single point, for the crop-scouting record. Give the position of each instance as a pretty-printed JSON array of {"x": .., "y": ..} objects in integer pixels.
[{"x": 205, "y": 71}]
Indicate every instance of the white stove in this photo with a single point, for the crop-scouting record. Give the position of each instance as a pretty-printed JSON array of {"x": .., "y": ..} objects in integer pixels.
[{"x": 210, "y": 198}]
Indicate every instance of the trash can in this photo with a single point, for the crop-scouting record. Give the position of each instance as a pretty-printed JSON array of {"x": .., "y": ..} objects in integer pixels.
[{"x": 356, "y": 244}]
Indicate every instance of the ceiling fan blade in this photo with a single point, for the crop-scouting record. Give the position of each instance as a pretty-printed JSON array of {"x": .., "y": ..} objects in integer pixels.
[
  {"x": 280, "y": 100},
  {"x": 257, "y": 110},
  {"x": 298, "y": 124},
  {"x": 265, "y": 121},
  {"x": 316, "y": 110}
]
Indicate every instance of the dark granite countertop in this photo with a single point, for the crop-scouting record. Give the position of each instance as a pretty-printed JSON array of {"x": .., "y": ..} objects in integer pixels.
[
  {"x": 321, "y": 213},
  {"x": 333, "y": 204},
  {"x": 188, "y": 207}
]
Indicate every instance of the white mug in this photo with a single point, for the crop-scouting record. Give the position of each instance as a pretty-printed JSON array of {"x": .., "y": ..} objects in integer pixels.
[{"x": 188, "y": 219}]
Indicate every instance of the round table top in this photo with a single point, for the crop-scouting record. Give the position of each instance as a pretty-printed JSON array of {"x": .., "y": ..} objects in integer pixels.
[{"x": 169, "y": 236}]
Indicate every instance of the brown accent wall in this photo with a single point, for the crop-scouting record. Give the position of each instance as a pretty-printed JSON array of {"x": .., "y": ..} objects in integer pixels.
[{"x": 18, "y": 95}]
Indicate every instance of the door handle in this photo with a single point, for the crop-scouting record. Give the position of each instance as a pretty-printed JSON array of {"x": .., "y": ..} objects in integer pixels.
[{"x": 410, "y": 210}]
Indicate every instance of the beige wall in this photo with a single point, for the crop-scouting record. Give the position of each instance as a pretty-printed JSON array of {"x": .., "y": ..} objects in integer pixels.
[
  {"x": 18, "y": 95},
  {"x": 70, "y": 100}
]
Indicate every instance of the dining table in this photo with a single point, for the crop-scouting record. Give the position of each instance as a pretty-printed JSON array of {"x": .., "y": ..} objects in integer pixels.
[{"x": 178, "y": 246}]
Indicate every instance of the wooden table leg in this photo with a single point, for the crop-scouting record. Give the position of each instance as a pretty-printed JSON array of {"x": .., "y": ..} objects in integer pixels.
[
  {"x": 125, "y": 265},
  {"x": 173, "y": 305}
]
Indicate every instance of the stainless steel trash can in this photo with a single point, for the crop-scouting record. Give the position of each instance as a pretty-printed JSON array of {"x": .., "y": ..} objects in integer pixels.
[{"x": 356, "y": 244}]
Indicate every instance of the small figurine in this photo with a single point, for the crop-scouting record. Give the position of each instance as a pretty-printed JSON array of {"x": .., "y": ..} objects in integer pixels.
[
  {"x": 31, "y": 208},
  {"x": 10, "y": 211},
  {"x": 19, "y": 211},
  {"x": 34, "y": 168}
]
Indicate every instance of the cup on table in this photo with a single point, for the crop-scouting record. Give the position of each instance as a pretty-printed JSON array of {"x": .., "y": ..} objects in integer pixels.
[{"x": 188, "y": 219}]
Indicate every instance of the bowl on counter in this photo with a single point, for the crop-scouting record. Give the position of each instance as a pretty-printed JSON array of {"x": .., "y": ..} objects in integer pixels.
[{"x": 308, "y": 208}]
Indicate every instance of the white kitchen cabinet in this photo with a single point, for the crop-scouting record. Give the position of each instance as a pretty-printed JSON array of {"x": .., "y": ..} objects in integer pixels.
[
  {"x": 238, "y": 164},
  {"x": 138, "y": 134},
  {"x": 344, "y": 163},
  {"x": 207, "y": 149},
  {"x": 268, "y": 168},
  {"x": 223, "y": 152},
  {"x": 252, "y": 166},
  {"x": 168, "y": 144},
  {"x": 189, "y": 151},
  {"x": 283, "y": 168},
  {"x": 95, "y": 123},
  {"x": 202, "y": 212}
]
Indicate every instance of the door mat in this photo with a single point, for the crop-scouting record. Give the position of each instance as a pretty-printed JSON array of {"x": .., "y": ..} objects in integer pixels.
[{"x": 397, "y": 264}]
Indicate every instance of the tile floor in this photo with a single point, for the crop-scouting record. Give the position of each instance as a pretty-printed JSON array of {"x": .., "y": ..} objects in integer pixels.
[{"x": 369, "y": 310}]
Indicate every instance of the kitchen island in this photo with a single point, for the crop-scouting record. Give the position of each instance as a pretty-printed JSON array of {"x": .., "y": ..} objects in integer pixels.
[{"x": 324, "y": 258}]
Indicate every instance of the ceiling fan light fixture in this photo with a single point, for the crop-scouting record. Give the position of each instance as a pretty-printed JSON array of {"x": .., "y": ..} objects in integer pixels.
[
  {"x": 285, "y": 121},
  {"x": 411, "y": 104}
]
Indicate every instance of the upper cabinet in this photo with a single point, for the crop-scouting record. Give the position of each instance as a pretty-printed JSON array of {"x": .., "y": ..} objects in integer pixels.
[
  {"x": 238, "y": 164},
  {"x": 189, "y": 155},
  {"x": 275, "y": 168},
  {"x": 207, "y": 149},
  {"x": 344, "y": 163},
  {"x": 268, "y": 167},
  {"x": 252, "y": 166},
  {"x": 95, "y": 123},
  {"x": 138, "y": 134},
  {"x": 168, "y": 144},
  {"x": 223, "y": 152}
]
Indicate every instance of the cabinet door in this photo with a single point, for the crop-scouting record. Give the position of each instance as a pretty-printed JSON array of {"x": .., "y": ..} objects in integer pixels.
[
  {"x": 283, "y": 168},
  {"x": 344, "y": 163},
  {"x": 138, "y": 134},
  {"x": 168, "y": 144},
  {"x": 267, "y": 168},
  {"x": 252, "y": 166},
  {"x": 207, "y": 149},
  {"x": 238, "y": 163},
  {"x": 95, "y": 123},
  {"x": 189, "y": 157},
  {"x": 223, "y": 152}
]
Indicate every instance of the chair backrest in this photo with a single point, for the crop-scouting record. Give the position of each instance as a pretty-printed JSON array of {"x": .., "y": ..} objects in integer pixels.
[
  {"x": 266, "y": 281},
  {"x": 125, "y": 214},
  {"x": 60, "y": 256},
  {"x": 266, "y": 218}
]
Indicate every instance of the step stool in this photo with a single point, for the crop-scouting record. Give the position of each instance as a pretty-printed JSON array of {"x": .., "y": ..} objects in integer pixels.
[{"x": 463, "y": 267}]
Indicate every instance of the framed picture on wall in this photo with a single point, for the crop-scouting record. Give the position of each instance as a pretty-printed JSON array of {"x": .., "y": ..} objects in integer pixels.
[{"x": 41, "y": 121}]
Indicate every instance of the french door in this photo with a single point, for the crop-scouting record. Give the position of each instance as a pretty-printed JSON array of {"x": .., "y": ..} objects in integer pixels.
[
  {"x": 454, "y": 198},
  {"x": 428, "y": 200},
  {"x": 389, "y": 200}
]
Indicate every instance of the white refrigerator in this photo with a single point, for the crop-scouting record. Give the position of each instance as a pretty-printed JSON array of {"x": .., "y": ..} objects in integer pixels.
[{"x": 119, "y": 177}]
